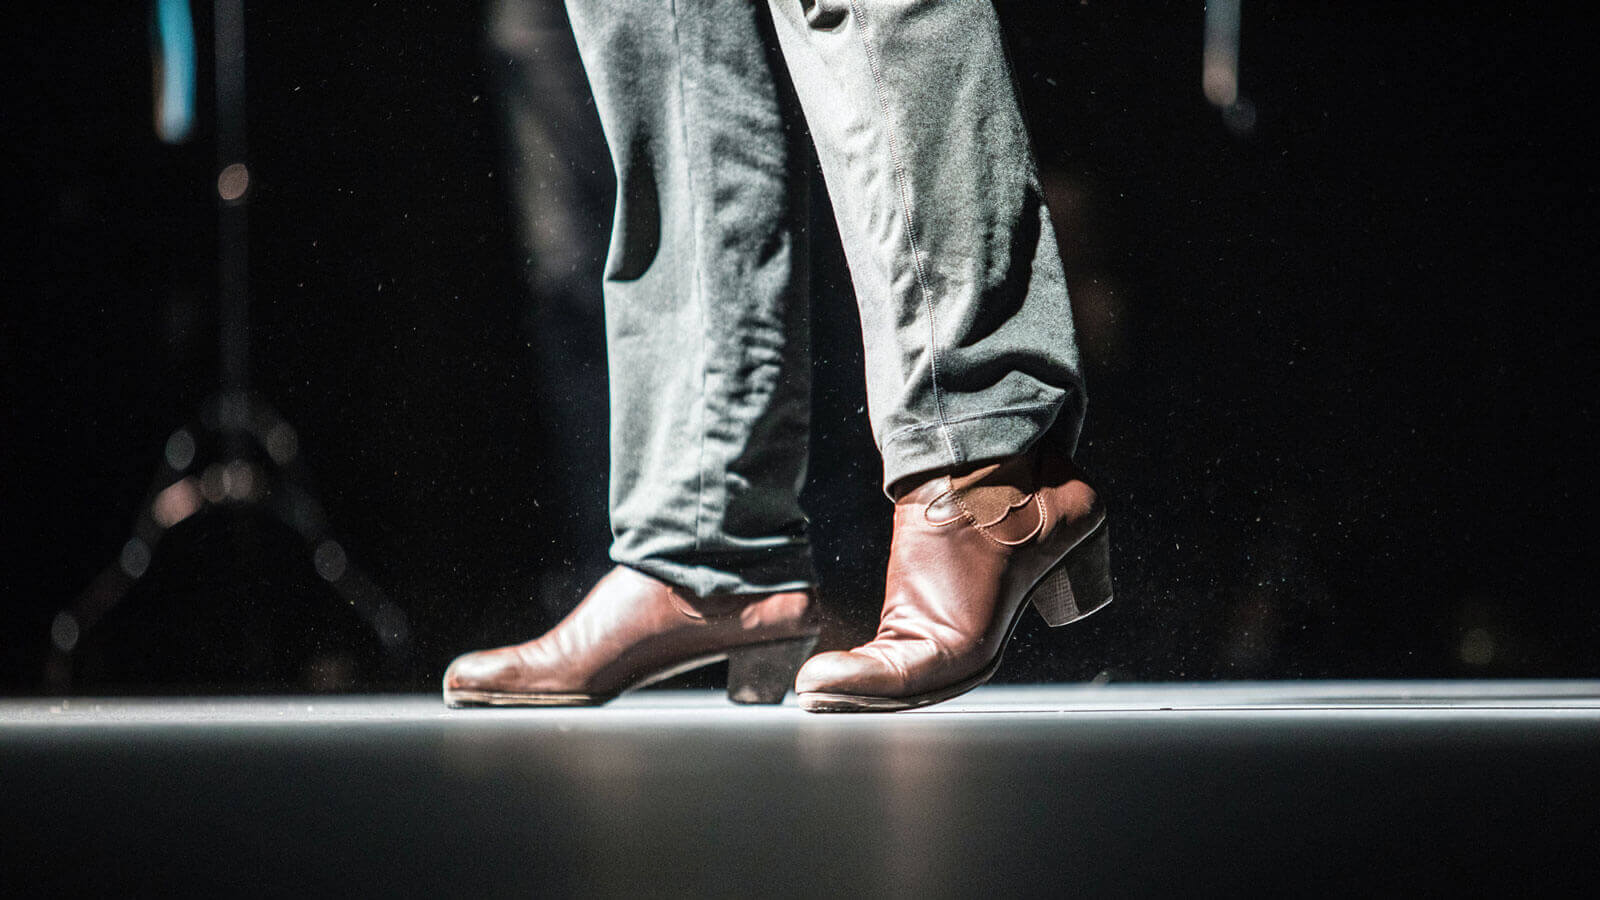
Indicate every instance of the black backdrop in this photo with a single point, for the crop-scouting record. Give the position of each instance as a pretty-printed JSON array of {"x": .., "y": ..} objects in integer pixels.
[{"x": 1341, "y": 364}]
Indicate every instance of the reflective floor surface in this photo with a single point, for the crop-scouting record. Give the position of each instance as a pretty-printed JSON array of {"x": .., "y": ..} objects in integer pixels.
[{"x": 1321, "y": 788}]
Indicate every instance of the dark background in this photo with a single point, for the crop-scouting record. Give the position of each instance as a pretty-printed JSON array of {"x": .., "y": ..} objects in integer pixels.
[{"x": 1341, "y": 363}]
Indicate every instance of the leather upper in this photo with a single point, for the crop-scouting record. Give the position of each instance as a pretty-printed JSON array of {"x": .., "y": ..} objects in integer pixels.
[
  {"x": 964, "y": 555},
  {"x": 630, "y": 626}
]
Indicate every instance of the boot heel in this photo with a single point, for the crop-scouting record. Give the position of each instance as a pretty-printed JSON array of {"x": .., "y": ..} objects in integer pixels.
[
  {"x": 763, "y": 673},
  {"x": 1079, "y": 584}
]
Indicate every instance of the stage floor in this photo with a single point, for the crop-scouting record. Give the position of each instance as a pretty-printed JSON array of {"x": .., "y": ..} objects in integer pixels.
[{"x": 1315, "y": 787}]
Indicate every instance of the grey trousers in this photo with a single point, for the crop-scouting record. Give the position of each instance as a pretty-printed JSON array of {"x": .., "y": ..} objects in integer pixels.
[{"x": 968, "y": 338}]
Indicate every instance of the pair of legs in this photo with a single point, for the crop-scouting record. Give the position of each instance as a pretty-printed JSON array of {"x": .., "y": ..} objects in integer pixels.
[
  {"x": 969, "y": 351},
  {"x": 967, "y": 332}
]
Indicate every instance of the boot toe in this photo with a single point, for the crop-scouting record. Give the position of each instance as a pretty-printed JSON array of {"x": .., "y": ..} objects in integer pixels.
[
  {"x": 480, "y": 670},
  {"x": 847, "y": 672}
]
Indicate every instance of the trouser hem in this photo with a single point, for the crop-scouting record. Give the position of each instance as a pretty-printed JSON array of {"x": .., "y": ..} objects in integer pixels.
[
  {"x": 924, "y": 450},
  {"x": 764, "y": 571}
]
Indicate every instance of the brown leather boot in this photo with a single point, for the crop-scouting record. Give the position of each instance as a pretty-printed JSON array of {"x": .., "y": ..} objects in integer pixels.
[
  {"x": 632, "y": 630},
  {"x": 968, "y": 552}
]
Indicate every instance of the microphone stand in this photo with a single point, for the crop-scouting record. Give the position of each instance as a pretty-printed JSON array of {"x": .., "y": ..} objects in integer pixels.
[{"x": 239, "y": 452}]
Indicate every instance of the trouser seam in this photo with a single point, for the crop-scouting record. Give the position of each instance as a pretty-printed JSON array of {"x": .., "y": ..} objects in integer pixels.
[
  {"x": 902, "y": 183},
  {"x": 696, "y": 281}
]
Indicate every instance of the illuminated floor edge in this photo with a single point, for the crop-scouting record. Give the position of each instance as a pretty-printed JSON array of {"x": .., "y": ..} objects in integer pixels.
[
  {"x": 1322, "y": 788},
  {"x": 710, "y": 708}
]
